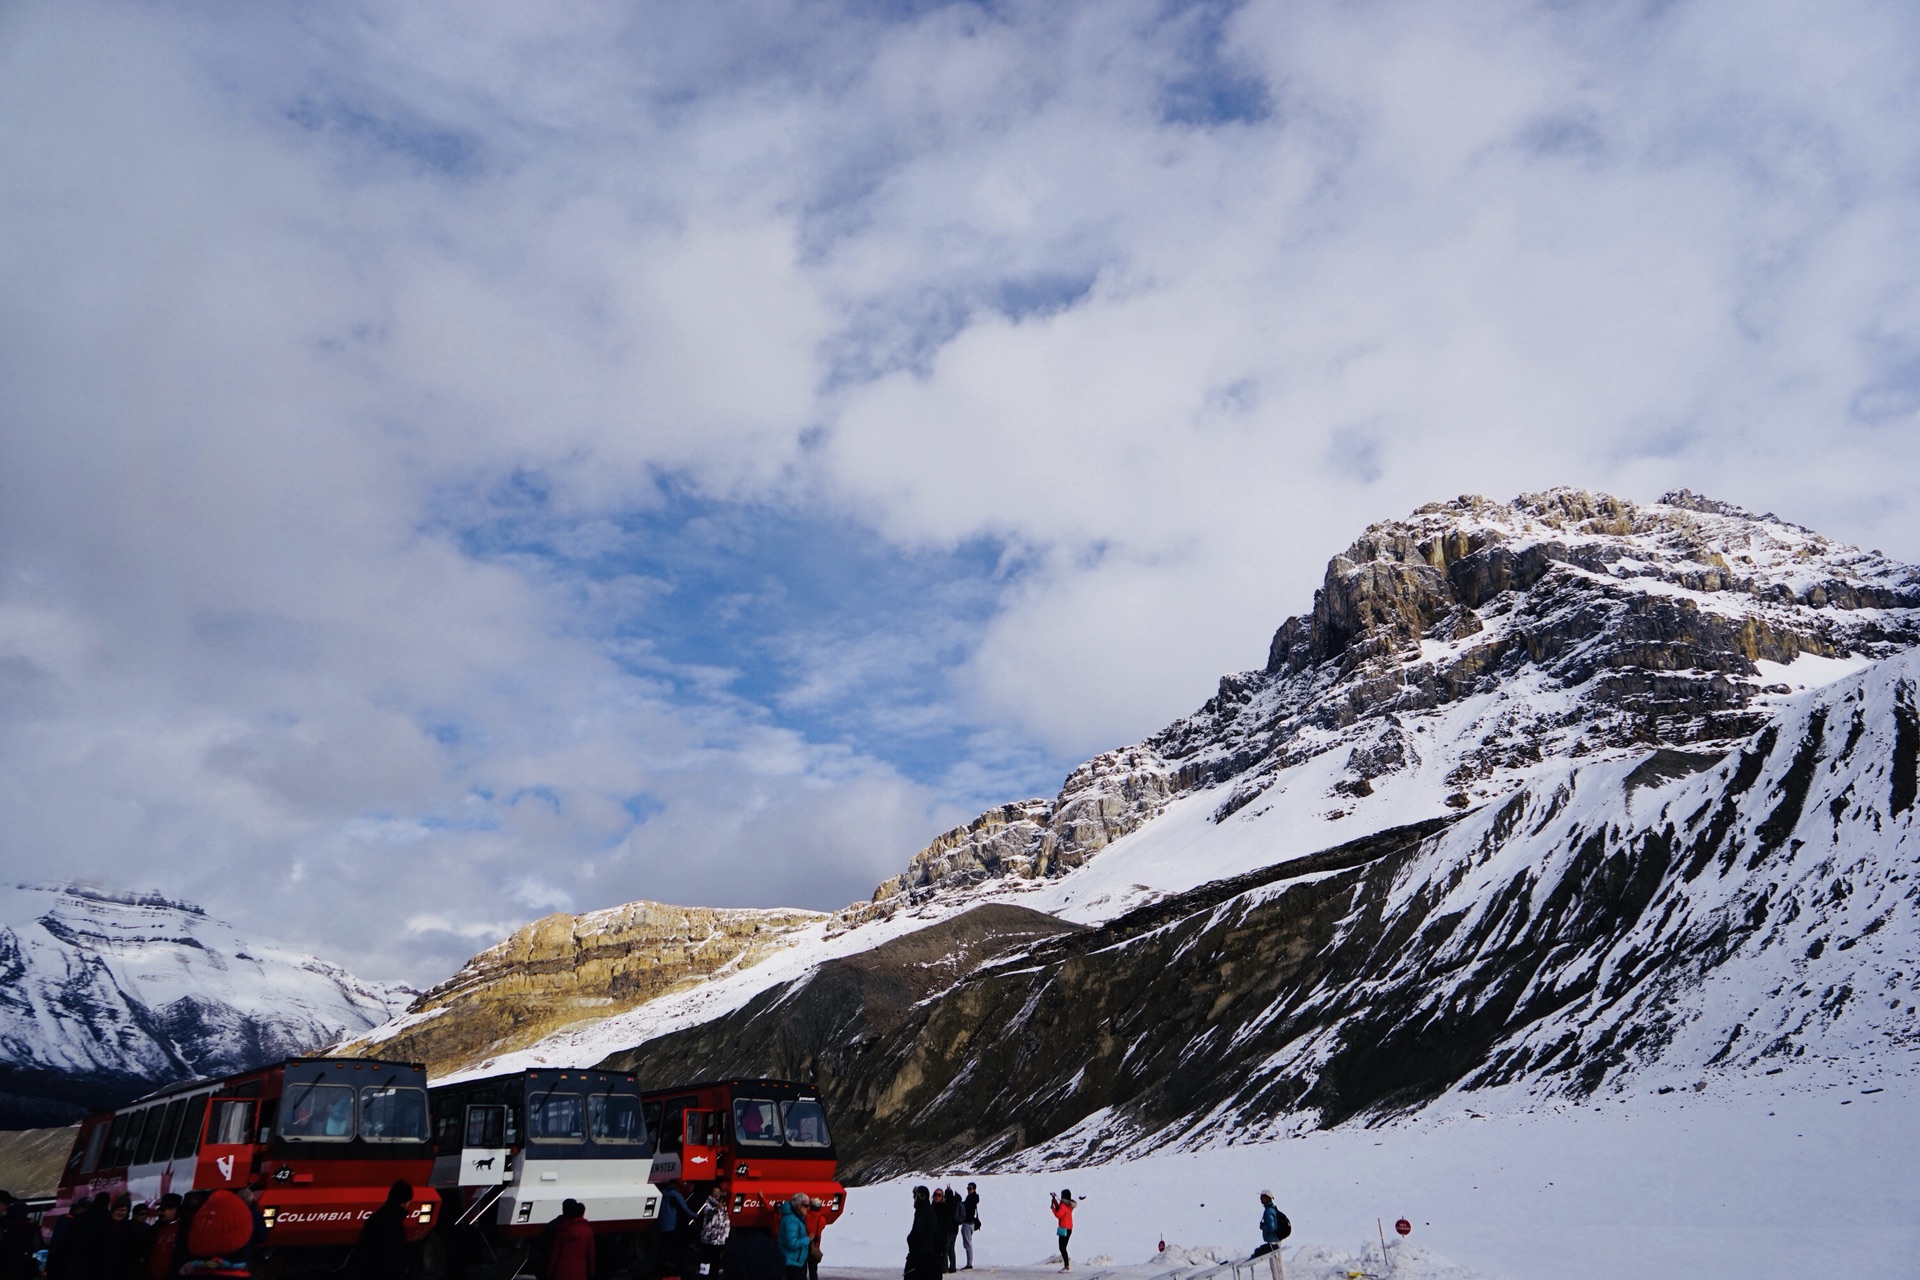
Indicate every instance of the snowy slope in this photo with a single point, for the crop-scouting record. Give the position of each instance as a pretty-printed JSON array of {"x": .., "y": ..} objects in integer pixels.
[
  {"x": 102, "y": 993},
  {"x": 1469, "y": 655}
]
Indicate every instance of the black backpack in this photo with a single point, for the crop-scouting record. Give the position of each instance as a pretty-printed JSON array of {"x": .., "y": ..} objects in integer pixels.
[{"x": 1286, "y": 1228}]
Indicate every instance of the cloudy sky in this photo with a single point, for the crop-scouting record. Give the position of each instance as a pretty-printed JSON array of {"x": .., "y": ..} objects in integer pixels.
[{"x": 460, "y": 461}]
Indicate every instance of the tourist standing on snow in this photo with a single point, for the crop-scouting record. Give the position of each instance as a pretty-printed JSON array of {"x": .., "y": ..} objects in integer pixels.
[
  {"x": 381, "y": 1251},
  {"x": 1063, "y": 1214},
  {"x": 969, "y": 1221},
  {"x": 923, "y": 1240},
  {"x": 19, "y": 1241},
  {"x": 816, "y": 1232},
  {"x": 946, "y": 1209},
  {"x": 676, "y": 1217},
  {"x": 571, "y": 1256},
  {"x": 1274, "y": 1228},
  {"x": 794, "y": 1241}
]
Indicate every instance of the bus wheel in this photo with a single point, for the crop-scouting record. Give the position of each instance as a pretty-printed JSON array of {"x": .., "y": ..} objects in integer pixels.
[
  {"x": 642, "y": 1255},
  {"x": 614, "y": 1255},
  {"x": 430, "y": 1257}
]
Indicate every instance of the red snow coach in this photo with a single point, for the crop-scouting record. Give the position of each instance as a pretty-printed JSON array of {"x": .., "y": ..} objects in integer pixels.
[
  {"x": 326, "y": 1137},
  {"x": 758, "y": 1141}
]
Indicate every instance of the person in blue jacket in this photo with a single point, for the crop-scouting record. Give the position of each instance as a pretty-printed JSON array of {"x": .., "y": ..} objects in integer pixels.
[
  {"x": 793, "y": 1236},
  {"x": 1274, "y": 1228}
]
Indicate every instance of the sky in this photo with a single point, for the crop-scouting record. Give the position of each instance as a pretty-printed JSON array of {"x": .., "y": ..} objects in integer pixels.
[{"x": 465, "y": 461}]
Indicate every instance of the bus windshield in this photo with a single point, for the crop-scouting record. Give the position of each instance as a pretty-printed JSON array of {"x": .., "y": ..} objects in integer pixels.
[
  {"x": 390, "y": 1114},
  {"x": 318, "y": 1113},
  {"x": 756, "y": 1122},
  {"x": 613, "y": 1117},
  {"x": 555, "y": 1117},
  {"x": 805, "y": 1123}
]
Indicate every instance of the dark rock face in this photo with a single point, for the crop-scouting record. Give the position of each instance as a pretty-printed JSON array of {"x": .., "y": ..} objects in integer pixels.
[{"x": 1680, "y": 910}]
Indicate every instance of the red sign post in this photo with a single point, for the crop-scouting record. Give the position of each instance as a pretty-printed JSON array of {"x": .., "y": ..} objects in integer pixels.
[{"x": 1404, "y": 1227}]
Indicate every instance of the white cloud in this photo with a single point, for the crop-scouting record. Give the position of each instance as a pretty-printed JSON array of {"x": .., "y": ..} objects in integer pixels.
[{"x": 277, "y": 285}]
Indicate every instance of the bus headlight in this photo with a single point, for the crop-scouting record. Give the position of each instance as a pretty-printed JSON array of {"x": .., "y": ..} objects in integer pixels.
[
  {"x": 268, "y": 1214},
  {"x": 425, "y": 1215}
]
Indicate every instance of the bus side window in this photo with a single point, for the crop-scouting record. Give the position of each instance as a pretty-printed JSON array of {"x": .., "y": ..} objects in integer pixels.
[
  {"x": 190, "y": 1125},
  {"x": 169, "y": 1130},
  {"x": 117, "y": 1141},
  {"x": 650, "y": 1112},
  {"x": 95, "y": 1141},
  {"x": 232, "y": 1122},
  {"x": 149, "y": 1135},
  {"x": 486, "y": 1126},
  {"x": 670, "y": 1126}
]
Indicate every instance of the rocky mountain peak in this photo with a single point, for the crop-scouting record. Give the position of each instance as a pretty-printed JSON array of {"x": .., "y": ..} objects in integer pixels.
[
  {"x": 1466, "y": 660},
  {"x": 1563, "y": 623}
]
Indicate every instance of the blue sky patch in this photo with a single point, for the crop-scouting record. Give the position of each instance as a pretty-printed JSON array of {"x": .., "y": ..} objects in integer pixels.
[{"x": 815, "y": 622}]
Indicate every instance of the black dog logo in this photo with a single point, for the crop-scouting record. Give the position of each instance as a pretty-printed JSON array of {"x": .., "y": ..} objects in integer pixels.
[{"x": 484, "y": 1164}]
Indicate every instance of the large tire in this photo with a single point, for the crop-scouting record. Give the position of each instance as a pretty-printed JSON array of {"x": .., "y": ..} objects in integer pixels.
[
  {"x": 615, "y": 1255},
  {"x": 430, "y": 1257},
  {"x": 643, "y": 1260}
]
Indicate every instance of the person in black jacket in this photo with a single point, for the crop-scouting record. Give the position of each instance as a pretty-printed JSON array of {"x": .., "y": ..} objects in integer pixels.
[
  {"x": 926, "y": 1248},
  {"x": 19, "y": 1240},
  {"x": 381, "y": 1253},
  {"x": 946, "y": 1210},
  {"x": 969, "y": 1221}
]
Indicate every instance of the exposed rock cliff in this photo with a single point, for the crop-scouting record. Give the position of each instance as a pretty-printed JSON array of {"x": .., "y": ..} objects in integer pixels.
[
  {"x": 1101, "y": 800},
  {"x": 564, "y": 969}
]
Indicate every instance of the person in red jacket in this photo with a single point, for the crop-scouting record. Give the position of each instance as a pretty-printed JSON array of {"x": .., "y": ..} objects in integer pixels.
[
  {"x": 571, "y": 1255},
  {"x": 1063, "y": 1214}
]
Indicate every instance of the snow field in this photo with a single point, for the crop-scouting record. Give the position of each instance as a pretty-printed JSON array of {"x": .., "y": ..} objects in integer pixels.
[{"x": 1754, "y": 1179}]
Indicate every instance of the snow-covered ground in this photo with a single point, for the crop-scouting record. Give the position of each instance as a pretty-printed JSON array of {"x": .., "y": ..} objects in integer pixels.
[{"x": 1756, "y": 1177}]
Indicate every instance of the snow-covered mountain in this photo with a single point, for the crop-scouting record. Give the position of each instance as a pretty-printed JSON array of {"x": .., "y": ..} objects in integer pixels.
[
  {"x": 103, "y": 994},
  {"x": 1552, "y": 798}
]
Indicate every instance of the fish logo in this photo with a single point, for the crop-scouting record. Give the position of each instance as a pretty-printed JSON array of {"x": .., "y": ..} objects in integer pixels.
[{"x": 225, "y": 1165}]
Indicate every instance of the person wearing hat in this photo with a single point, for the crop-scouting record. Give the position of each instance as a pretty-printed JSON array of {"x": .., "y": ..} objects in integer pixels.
[{"x": 1274, "y": 1228}]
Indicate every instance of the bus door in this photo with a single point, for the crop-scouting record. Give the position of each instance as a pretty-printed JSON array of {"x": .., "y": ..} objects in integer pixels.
[
  {"x": 701, "y": 1140},
  {"x": 484, "y": 1156},
  {"x": 226, "y": 1155}
]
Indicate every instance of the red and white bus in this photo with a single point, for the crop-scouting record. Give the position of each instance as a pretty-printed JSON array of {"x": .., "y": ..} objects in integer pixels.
[
  {"x": 327, "y": 1136},
  {"x": 758, "y": 1141},
  {"x": 513, "y": 1148}
]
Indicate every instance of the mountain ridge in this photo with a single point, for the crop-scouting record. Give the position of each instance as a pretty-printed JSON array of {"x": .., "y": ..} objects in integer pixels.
[
  {"x": 105, "y": 993},
  {"x": 1469, "y": 658}
]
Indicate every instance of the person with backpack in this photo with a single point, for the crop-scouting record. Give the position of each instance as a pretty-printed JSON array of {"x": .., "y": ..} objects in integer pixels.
[
  {"x": 969, "y": 1221},
  {"x": 1063, "y": 1214},
  {"x": 1274, "y": 1228}
]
